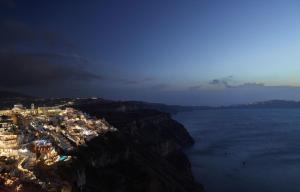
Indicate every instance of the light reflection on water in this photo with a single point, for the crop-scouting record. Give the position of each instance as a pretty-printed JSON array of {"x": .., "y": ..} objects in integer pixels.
[{"x": 245, "y": 149}]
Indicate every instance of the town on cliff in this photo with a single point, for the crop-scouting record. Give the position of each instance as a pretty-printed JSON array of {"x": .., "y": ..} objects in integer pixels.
[{"x": 42, "y": 137}]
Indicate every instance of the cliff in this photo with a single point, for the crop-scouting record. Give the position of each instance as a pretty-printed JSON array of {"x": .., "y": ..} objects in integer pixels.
[
  {"x": 284, "y": 104},
  {"x": 146, "y": 155},
  {"x": 149, "y": 127},
  {"x": 112, "y": 163}
]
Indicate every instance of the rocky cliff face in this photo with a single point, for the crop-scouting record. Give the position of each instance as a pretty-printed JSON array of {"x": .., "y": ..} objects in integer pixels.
[
  {"x": 115, "y": 164},
  {"x": 146, "y": 154}
]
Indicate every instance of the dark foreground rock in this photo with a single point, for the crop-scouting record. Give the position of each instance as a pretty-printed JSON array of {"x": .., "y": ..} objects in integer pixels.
[
  {"x": 114, "y": 164},
  {"x": 146, "y": 154}
]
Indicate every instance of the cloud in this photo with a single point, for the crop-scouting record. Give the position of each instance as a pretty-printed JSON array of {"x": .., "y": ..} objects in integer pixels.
[
  {"x": 21, "y": 70},
  {"x": 230, "y": 82},
  {"x": 224, "y": 82},
  {"x": 23, "y": 65}
]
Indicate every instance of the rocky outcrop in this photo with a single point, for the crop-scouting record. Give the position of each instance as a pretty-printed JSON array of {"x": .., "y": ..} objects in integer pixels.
[
  {"x": 111, "y": 163},
  {"x": 146, "y": 154},
  {"x": 151, "y": 127}
]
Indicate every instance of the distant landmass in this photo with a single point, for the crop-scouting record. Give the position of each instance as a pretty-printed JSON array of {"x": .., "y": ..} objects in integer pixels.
[
  {"x": 269, "y": 104},
  {"x": 166, "y": 108},
  {"x": 179, "y": 108},
  {"x": 9, "y": 98}
]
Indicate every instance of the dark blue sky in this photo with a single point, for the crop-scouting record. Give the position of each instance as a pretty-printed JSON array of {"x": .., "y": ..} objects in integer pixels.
[{"x": 181, "y": 52}]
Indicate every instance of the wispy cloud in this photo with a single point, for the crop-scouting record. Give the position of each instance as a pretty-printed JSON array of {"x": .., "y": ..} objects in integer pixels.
[
  {"x": 228, "y": 82},
  {"x": 224, "y": 82},
  {"x": 20, "y": 69}
]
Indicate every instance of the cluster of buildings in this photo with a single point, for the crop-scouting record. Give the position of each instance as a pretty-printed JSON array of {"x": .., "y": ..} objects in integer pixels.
[{"x": 43, "y": 137}]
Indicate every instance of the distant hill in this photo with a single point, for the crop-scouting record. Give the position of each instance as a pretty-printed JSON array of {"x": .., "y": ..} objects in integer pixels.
[
  {"x": 168, "y": 108},
  {"x": 269, "y": 104},
  {"x": 8, "y": 98},
  {"x": 134, "y": 105}
]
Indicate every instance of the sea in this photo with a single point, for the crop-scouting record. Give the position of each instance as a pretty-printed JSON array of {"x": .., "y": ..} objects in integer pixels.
[{"x": 245, "y": 150}]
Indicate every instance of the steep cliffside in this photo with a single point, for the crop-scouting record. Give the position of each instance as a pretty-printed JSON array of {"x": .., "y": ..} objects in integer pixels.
[
  {"x": 146, "y": 155},
  {"x": 112, "y": 164}
]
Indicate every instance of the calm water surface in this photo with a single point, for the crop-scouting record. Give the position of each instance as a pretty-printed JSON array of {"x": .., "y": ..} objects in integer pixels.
[{"x": 243, "y": 150}]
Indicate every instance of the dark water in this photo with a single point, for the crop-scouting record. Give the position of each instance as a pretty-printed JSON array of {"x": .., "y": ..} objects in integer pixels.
[{"x": 240, "y": 150}]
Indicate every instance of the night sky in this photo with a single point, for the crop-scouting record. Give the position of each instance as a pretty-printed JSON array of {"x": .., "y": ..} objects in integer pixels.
[{"x": 202, "y": 52}]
